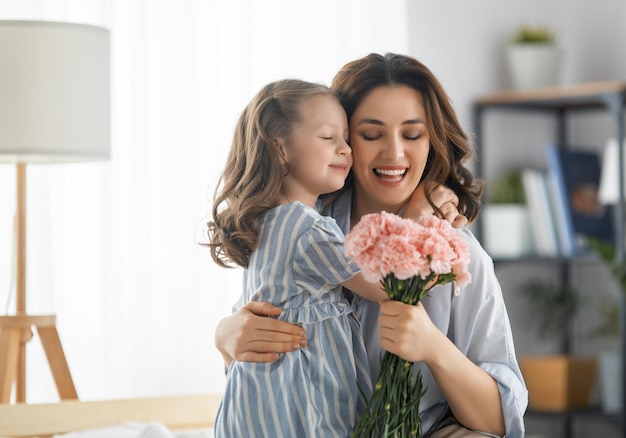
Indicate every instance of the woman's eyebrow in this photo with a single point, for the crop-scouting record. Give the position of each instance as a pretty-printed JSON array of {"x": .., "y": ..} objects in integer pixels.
[{"x": 417, "y": 121}]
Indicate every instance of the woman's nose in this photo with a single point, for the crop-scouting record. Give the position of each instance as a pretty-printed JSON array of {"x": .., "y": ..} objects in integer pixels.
[{"x": 393, "y": 149}]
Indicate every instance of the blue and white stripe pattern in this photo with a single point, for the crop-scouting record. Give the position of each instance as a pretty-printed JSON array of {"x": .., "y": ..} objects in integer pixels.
[{"x": 316, "y": 391}]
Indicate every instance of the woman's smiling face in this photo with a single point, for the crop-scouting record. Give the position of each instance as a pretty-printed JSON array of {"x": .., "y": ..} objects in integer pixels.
[{"x": 390, "y": 145}]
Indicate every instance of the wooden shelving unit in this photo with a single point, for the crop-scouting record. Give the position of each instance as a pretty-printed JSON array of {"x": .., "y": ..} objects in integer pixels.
[{"x": 608, "y": 96}]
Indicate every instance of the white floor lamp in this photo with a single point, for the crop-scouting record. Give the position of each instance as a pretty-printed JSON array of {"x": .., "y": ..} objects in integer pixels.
[{"x": 54, "y": 107}]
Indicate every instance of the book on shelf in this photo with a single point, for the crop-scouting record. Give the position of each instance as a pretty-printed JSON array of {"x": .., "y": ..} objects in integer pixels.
[
  {"x": 541, "y": 214},
  {"x": 573, "y": 181}
]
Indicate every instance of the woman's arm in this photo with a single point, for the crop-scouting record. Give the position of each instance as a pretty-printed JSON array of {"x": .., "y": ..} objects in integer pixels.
[
  {"x": 472, "y": 394},
  {"x": 249, "y": 335}
]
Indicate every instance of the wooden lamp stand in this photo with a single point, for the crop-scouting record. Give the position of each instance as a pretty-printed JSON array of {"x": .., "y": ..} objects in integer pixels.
[{"x": 16, "y": 330}]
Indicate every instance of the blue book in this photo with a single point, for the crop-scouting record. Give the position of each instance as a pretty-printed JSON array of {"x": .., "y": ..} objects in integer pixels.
[{"x": 574, "y": 179}]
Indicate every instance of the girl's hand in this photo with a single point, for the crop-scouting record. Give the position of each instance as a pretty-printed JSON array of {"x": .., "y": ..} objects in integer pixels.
[
  {"x": 249, "y": 336},
  {"x": 407, "y": 331},
  {"x": 443, "y": 197}
]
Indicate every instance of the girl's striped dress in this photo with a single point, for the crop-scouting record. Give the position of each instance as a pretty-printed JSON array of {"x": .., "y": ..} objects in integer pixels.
[{"x": 320, "y": 390}]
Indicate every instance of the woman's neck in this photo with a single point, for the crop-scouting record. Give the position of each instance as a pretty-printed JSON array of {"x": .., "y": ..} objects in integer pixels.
[{"x": 362, "y": 204}]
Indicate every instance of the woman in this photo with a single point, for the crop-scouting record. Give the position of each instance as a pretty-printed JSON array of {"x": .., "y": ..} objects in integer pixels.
[{"x": 404, "y": 132}]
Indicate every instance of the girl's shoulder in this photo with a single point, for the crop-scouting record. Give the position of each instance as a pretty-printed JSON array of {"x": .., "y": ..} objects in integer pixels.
[
  {"x": 292, "y": 211},
  {"x": 298, "y": 219}
]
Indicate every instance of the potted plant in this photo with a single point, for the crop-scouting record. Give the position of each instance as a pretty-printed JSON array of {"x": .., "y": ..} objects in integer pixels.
[
  {"x": 610, "y": 360},
  {"x": 561, "y": 381},
  {"x": 506, "y": 219},
  {"x": 534, "y": 58}
]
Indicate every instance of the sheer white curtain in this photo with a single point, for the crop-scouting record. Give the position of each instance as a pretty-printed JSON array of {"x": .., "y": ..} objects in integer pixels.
[{"x": 112, "y": 247}]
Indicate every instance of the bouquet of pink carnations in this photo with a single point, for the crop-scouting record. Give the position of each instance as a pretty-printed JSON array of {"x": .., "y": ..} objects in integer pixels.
[{"x": 409, "y": 259}]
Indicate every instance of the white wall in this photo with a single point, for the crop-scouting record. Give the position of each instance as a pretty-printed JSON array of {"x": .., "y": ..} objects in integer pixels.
[{"x": 463, "y": 42}]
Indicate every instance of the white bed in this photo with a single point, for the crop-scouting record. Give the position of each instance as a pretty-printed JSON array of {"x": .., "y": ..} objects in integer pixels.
[{"x": 188, "y": 416}]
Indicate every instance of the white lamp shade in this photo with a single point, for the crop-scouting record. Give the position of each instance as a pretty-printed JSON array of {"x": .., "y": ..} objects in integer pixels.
[
  {"x": 609, "y": 178},
  {"x": 54, "y": 92}
]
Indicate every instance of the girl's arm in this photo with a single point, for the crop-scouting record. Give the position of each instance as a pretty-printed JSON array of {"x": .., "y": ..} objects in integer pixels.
[
  {"x": 443, "y": 197},
  {"x": 248, "y": 335},
  {"x": 472, "y": 394},
  {"x": 362, "y": 287}
]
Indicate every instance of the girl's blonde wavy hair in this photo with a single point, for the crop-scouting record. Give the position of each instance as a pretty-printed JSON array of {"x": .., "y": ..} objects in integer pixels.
[{"x": 251, "y": 182}]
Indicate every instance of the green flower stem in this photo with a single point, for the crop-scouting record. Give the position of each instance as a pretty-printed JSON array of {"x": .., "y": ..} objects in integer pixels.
[{"x": 393, "y": 410}]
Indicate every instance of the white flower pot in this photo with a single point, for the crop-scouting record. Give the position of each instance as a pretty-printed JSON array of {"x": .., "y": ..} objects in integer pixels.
[
  {"x": 611, "y": 382},
  {"x": 534, "y": 65},
  {"x": 507, "y": 230}
]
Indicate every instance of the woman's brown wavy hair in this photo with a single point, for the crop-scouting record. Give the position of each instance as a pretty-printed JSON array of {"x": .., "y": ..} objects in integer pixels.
[
  {"x": 450, "y": 148},
  {"x": 251, "y": 182}
]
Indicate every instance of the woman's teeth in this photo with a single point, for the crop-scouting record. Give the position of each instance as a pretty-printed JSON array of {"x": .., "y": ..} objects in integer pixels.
[{"x": 388, "y": 174}]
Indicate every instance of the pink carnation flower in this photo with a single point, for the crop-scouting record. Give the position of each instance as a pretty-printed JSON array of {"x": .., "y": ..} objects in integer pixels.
[{"x": 384, "y": 243}]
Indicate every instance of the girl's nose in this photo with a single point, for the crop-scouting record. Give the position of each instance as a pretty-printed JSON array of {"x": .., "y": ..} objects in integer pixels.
[{"x": 344, "y": 148}]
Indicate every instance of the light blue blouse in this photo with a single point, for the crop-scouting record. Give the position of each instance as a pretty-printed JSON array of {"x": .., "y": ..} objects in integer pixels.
[
  {"x": 317, "y": 391},
  {"x": 476, "y": 321}
]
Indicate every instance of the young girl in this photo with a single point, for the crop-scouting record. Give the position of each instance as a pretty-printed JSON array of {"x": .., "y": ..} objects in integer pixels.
[{"x": 290, "y": 147}]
